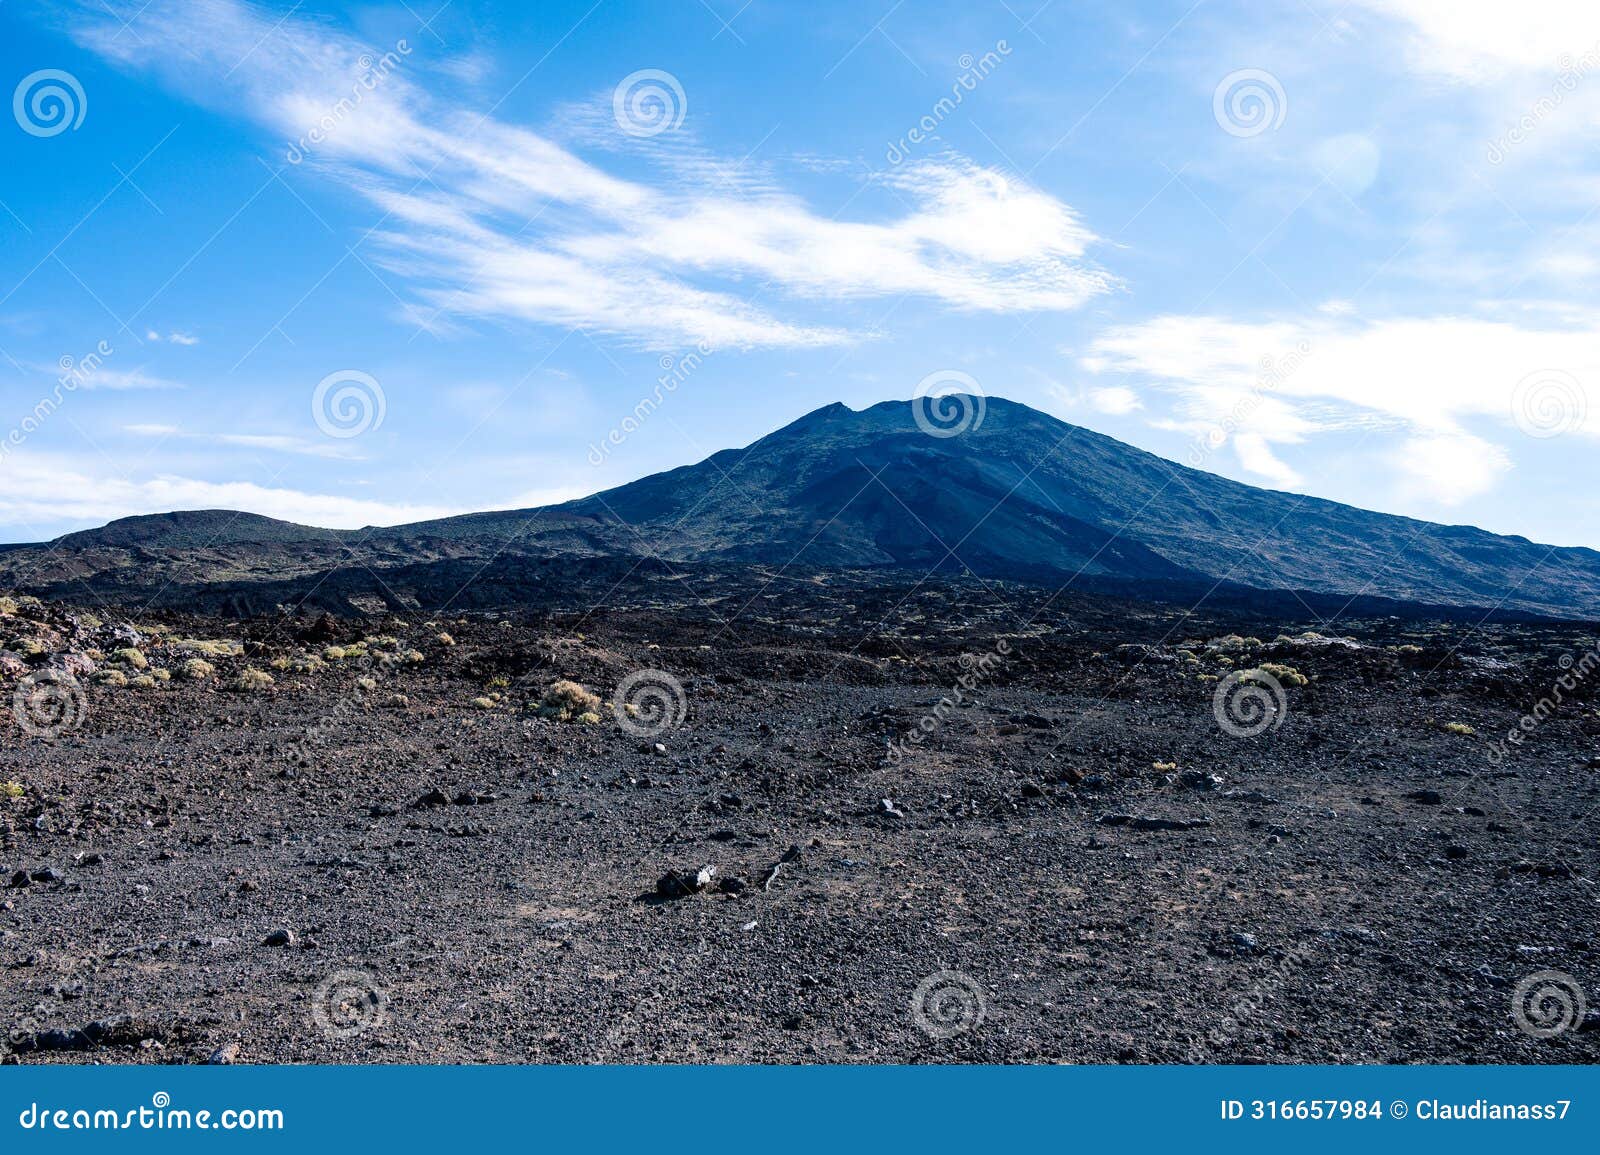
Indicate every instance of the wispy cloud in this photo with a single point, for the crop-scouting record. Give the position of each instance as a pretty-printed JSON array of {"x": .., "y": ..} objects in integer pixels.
[
  {"x": 54, "y": 489},
  {"x": 107, "y": 376},
  {"x": 487, "y": 219},
  {"x": 154, "y": 337},
  {"x": 1276, "y": 383},
  {"x": 1475, "y": 41},
  {"x": 274, "y": 443}
]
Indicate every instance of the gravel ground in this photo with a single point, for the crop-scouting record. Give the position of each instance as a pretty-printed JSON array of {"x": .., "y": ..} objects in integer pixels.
[{"x": 1005, "y": 829}]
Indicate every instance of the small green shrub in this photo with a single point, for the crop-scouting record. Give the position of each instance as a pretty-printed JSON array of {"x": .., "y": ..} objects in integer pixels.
[
  {"x": 130, "y": 656},
  {"x": 251, "y": 680},
  {"x": 566, "y": 701},
  {"x": 1286, "y": 675}
]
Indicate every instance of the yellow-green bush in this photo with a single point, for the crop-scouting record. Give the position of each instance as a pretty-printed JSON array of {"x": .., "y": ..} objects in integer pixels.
[
  {"x": 250, "y": 680},
  {"x": 130, "y": 656},
  {"x": 1286, "y": 675},
  {"x": 567, "y": 701}
]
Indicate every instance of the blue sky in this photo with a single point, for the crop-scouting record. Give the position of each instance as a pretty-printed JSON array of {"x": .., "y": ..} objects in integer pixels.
[{"x": 364, "y": 264}]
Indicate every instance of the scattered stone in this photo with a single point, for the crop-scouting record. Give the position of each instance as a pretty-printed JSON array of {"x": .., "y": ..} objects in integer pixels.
[
  {"x": 1244, "y": 943},
  {"x": 681, "y": 884},
  {"x": 283, "y": 936},
  {"x": 434, "y": 797},
  {"x": 1141, "y": 822},
  {"x": 224, "y": 1056},
  {"x": 1032, "y": 790},
  {"x": 1455, "y": 852},
  {"x": 1255, "y": 796},
  {"x": 20, "y": 879},
  {"x": 46, "y": 874},
  {"x": 1198, "y": 780},
  {"x": 887, "y": 807},
  {"x": 1426, "y": 797}
]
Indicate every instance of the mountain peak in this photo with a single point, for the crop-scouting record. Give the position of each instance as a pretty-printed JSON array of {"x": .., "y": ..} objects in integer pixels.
[{"x": 1019, "y": 495}]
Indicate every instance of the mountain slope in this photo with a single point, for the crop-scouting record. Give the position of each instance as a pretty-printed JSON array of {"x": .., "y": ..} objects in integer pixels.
[
  {"x": 1022, "y": 495},
  {"x": 1024, "y": 492}
]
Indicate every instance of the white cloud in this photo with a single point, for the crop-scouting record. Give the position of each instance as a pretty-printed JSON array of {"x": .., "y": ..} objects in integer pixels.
[
  {"x": 1449, "y": 468},
  {"x": 1115, "y": 400},
  {"x": 1255, "y": 454},
  {"x": 52, "y": 489},
  {"x": 1478, "y": 40},
  {"x": 104, "y": 376},
  {"x": 156, "y": 338},
  {"x": 271, "y": 442},
  {"x": 507, "y": 223},
  {"x": 1281, "y": 382}
]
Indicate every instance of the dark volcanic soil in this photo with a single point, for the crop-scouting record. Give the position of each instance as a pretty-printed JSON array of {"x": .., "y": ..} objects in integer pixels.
[{"x": 1077, "y": 861}]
